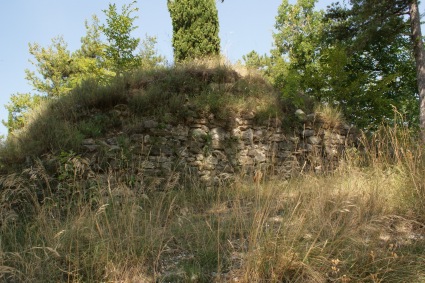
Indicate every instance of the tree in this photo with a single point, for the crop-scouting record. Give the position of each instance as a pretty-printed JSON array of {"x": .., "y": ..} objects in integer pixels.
[
  {"x": 379, "y": 31},
  {"x": 419, "y": 53},
  {"x": 368, "y": 83},
  {"x": 19, "y": 107},
  {"x": 92, "y": 62},
  {"x": 195, "y": 28},
  {"x": 295, "y": 58},
  {"x": 256, "y": 61},
  {"x": 58, "y": 70},
  {"x": 120, "y": 50},
  {"x": 149, "y": 57},
  {"x": 299, "y": 28},
  {"x": 54, "y": 64},
  {"x": 346, "y": 59}
]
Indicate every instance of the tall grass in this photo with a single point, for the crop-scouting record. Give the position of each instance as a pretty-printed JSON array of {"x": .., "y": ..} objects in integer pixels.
[
  {"x": 362, "y": 222},
  {"x": 62, "y": 222}
]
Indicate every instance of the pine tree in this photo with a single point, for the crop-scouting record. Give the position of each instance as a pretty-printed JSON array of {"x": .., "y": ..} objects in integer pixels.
[
  {"x": 195, "y": 28},
  {"x": 419, "y": 53},
  {"x": 378, "y": 30},
  {"x": 54, "y": 66}
]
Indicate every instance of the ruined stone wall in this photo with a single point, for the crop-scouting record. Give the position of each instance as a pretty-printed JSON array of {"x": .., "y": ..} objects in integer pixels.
[{"x": 208, "y": 149}]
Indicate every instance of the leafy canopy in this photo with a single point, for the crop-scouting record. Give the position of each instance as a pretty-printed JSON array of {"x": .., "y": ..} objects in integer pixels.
[
  {"x": 380, "y": 67},
  {"x": 121, "y": 46},
  {"x": 346, "y": 57},
  {"x": 58, "y": 70}
]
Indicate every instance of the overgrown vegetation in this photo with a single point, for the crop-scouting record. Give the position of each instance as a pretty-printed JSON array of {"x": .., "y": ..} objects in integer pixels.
[
  {"x": 58, "y": 70},
  {"x": 361, "y": 223},
  {"x": 62, "y": 221},
  {"x": 170, "y": 94},
  {"x": 347, "y": 57}
]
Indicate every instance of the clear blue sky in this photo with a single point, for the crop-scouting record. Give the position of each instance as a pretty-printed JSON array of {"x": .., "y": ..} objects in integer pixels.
[{"x": 245, "y": 25}]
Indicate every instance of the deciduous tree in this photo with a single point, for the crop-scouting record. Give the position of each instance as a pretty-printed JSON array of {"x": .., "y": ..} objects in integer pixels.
[
  {"x": 121, "y": 46},
  {"x": 18, "y": 107},
  {"x": 58, "y": 70},
  {"x": 297, "y": 41}
]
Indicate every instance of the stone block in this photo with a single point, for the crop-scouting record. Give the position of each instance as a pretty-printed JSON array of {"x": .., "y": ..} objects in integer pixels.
[
  {"x": 217, "y": 144},
  {"x": 198, "y": 134},
  {"x": 308, "y": 133},
  {"x": 301, "y": 115},
  {"x": 88, "y": 142},
  {"x": 248, "y": 136},
  {"x": 150, "y": 124},
  {"x": 245, "y": 160},
  {"x": 148, "y": 165},
  {"x": 218, "y": 134},
  {"x": 314, "y": 140}
]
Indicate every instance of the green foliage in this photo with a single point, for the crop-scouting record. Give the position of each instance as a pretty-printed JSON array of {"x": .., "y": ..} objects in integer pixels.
[
  {"x": 54, "y": 64},
  {"x": 95, "y": 126},
  {"x": 149, "y": 57},
  {"x": 256, "y": 61},
  {"x": 378, "y": 71},
  {"x": 298, "y": 35},
  {"x": 195, "y": 28},
  {"x": 18, "y": 108},
  {"x": 92, "y": 62},
  {"x": 371, "y": 86},
  {"x": 121, "y": 46},
  {"x": 339, "y": 60},
  {"x": 369, "y": 22},
  {"x": 58, "y": 71},
  {"x": 294, "y": 67}
]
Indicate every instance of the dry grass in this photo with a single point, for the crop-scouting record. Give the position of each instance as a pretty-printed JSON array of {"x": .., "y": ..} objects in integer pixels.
[
  {"x": 331, "y": 117},
  {"x": 356, "y": 224},
  {"x": 61, "y": 222}
]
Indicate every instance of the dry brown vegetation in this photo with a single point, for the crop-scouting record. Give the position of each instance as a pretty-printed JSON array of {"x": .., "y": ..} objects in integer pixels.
[{"x": 363, "y": 222}]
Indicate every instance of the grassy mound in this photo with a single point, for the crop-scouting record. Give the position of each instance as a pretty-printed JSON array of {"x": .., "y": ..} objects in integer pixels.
[
  {"x": 363, "y": 222},
  {"x": 171, "y": 95}
]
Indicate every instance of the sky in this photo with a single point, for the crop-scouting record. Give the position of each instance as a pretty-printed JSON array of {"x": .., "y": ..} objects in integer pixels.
[{"x": 245, "y": 25}]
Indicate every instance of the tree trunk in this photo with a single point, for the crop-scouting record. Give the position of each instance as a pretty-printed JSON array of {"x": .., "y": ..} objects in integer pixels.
[{"x": 419, "y": 53}]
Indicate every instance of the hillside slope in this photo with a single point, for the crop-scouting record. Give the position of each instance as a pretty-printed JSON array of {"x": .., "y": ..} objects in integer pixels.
[
  {"x": 84, "y": 196},
  {"x": 171, "y": 95}
]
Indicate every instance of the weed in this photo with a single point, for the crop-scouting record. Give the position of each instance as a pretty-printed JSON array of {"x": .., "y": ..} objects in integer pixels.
[{"x": 62, "y": 222}]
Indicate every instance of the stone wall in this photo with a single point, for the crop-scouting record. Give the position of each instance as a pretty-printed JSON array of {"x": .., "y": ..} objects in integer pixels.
[{"x": 213, "y": 151}]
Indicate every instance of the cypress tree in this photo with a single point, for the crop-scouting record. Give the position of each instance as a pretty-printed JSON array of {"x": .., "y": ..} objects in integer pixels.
[{"x": 195, "y": 28}]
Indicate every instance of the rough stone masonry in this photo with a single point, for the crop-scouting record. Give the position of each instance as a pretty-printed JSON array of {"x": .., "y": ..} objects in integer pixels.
[{"x": 206, "y": 149}]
